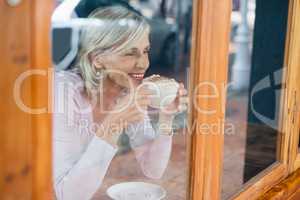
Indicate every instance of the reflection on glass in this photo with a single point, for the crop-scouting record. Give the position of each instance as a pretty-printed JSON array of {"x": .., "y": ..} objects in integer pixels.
[
  {"x": 112, "y": 124},
  {"x": 254, "y": 90}
]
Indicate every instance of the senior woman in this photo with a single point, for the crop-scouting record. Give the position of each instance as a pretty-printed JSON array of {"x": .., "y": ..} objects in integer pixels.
[{"x": 93, "y": 105}]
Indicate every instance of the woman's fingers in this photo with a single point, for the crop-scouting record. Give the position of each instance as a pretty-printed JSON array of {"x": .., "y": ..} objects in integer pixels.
[
  {"x": 136, "y": 117},
  {"x": 184, "y": 100},
  {"x": 144, "y": 90},
  {"x": 128, "y": 118},
  {"x": 133, "y": 112},
  {"x": 182, "y": 91},
  {"x": 182, "y": 107},
  {"x": 142, "y": 105}
]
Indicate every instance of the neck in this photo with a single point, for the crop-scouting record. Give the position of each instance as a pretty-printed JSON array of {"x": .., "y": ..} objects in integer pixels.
[
  {"x": 110, "y": 88},
  {"x": 108, "y": 91}
]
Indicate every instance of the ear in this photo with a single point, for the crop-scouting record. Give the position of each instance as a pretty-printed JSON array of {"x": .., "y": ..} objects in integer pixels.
[{"x": 97, "y": 62}]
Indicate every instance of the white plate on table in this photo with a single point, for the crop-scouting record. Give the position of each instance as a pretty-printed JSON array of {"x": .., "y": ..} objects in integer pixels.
[{"x": 136, "y": 191}]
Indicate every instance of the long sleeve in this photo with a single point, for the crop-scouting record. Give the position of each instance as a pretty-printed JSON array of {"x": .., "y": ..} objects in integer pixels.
[
  {"x": 152, "y": 150},
  {"x": 81, "y": 159}
]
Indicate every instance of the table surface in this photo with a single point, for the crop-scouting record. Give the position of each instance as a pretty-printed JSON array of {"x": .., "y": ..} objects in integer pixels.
[{"x": 125, "y": 168}]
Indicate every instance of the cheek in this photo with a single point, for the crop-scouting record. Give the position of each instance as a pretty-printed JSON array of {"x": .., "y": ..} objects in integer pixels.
[
  {"x": 121, "y": 67},
  {"x": 127, "y": 64},
  {"x": 147, "y": 61},
  {"x": 122, "y": 64}
]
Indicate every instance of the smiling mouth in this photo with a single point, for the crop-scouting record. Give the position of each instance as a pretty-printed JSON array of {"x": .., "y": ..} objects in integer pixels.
[{"x": 137, "y": 76}]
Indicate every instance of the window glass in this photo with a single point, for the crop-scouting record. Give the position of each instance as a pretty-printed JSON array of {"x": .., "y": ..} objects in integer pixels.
[
  {"x": 120, "y": 98},
  {"x": 255, "y": 85}
]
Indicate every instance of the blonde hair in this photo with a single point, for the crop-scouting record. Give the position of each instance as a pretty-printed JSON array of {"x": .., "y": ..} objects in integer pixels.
[{"x": 109, "y": 30}]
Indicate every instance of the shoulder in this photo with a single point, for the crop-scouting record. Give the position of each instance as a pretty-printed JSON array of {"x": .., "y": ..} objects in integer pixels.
[
  {"x": 69, "y": 82},
  {"x": 69, "y": 89},
  {"x": 71, "y": 78}
]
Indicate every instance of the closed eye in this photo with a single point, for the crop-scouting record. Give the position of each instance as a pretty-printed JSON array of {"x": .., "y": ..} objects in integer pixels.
[
  {"x": 129, "y": 54},
  {"x": 135, "y": 52},
  {"x": 132, "y": 52},
  {"x": 147, "y": 50}
]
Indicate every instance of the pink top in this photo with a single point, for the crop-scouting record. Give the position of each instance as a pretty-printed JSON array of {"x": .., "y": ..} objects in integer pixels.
[{"x": 81, "y": 159}]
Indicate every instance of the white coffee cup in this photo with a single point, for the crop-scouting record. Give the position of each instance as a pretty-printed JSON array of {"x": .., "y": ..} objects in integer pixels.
[
  {"x": 136, "y": 191},
  {"x": 165, "y": 90}
]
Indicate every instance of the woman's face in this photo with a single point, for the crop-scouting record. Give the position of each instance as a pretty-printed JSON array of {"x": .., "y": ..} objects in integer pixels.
[{"x": 127, "y": 69}]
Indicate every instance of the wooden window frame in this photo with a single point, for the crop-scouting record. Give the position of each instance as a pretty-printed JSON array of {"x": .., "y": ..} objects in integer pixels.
[
  {"x": 26, "y": 149},
  {"x": 209, "y": 63},
  {"x": 293, "y": 59}
]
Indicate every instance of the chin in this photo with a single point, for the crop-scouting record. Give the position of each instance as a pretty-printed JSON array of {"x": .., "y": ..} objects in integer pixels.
[{"x": 133, "y": 83}]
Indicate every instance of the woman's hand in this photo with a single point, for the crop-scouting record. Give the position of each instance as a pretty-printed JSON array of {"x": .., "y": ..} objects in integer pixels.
[
  {"x": 131, "y": 108},
  {"x": 167, "y": 113},
  {"x": 179, "y": 104}
]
